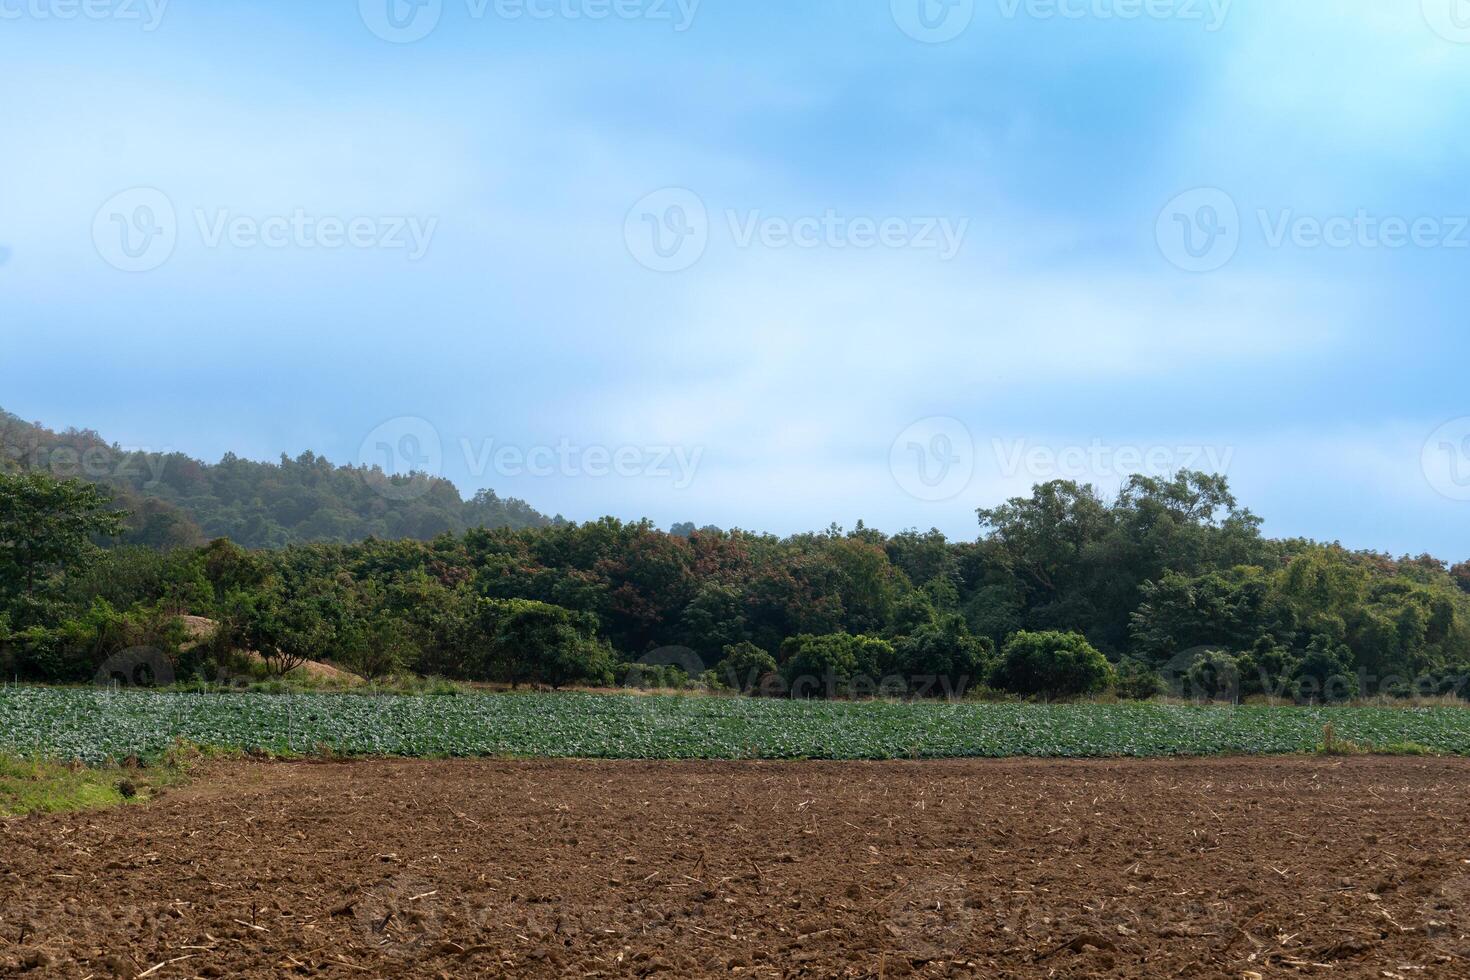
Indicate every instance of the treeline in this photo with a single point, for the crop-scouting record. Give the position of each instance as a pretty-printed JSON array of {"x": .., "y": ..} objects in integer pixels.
[
  {"x": 1063, "y": 593},
  {"x": 174, "y": 500}
]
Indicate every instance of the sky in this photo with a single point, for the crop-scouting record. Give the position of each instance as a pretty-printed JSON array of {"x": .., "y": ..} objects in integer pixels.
[{"x": 757, "y": 263}]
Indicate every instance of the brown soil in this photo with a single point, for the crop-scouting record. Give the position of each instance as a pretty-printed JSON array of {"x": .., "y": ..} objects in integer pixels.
[{"x": 1224, "y": 868}]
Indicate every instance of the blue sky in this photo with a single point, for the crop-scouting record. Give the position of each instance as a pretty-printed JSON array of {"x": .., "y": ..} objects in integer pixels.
[{"x": 901, "y": 276}]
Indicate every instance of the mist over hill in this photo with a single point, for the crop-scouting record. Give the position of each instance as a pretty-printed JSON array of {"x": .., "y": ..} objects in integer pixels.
[{"x": 175, "y": 500}]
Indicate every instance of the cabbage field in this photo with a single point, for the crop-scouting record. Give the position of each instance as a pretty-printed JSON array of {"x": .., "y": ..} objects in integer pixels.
[{"x": 94, "y": 725}]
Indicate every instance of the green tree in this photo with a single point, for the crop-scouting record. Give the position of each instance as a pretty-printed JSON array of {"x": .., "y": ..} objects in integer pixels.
[
  {"x": 1137, "y": 682},
  {"x": 48, "y": 526},
  {"x": 826, "y": 664},
  {"x": 744, "y": 665},
  {"x": 1214, "y": 676},
  {"x": 539, "y": 643},
  {"x": 1051, "y": 664},
  {"x": 285, "y": 632},
  {"x": 1326, "y": 671},
  {"x": 943, "y": 650}
]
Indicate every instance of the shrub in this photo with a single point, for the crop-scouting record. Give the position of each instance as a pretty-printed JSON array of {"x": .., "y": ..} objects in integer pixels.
[
  {"x": 380, "y": 648},
  {"x": 946, "y": 651},
  {"x": 1326, "y": 672},
  {"x": 744, "y": 665},
  {"x": 657, "y": 677},
  {"x": 825, "y": 665},
  {"x": 78, "y": 648},
  {"x": 1051, "y": 664},
  {"x": 1268, "y": 668},
  {"x": 1215, "y": 676},
  {"x": 286, "y": 633},
  {"x": 543, "y": 644},
  {"x": 1136, "y": 682}
]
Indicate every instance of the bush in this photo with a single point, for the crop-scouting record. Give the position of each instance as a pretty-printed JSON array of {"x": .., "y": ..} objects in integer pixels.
[
  {"x": 826, "y": 665},
  {"x": 1269, "y": 668},
  {"x": 544, "y": 644},
  {"x": 945, "y": 651},
  {"x": 1136, "y": 682},
  {"x": 744, "y": 665},
  {"x": 656, "y": 677},
  {"x": 380, "y": 648},
  {"x": 1215, "y": 676},
  {"x": 1326, "y": 672},
  {"x": 79, "y": 648},
  {"x": 1051, "y": 665},
  {"x": 286, "y": 632}
]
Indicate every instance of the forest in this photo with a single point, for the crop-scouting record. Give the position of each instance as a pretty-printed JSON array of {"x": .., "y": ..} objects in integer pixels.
[
  {"x": 174, "y": 500},
  {"x": 1168, "y": 586}
]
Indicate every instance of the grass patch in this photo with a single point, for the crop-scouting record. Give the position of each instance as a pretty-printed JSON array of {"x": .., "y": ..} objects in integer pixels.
[
  {"x": 31, "y": 786},
  {"x": 35, "y": 784},
  {"x": 1332, "y": 745}
]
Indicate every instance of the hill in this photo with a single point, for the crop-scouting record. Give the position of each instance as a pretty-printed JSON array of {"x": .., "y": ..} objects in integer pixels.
[{"x": 175, "y": 500}]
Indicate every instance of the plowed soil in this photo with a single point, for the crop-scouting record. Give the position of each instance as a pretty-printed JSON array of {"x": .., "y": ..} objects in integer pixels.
[{"x": 1222, "y": 868}]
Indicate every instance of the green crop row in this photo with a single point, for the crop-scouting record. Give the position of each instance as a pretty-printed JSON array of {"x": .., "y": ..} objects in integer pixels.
[{"x": 98, "y": 725}]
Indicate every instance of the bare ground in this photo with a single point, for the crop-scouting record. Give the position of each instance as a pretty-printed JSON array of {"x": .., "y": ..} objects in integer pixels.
[{"x": 1219, "y": 868}]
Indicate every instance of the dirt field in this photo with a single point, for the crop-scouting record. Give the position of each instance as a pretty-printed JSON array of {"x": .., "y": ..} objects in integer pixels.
[{"x": 1229, "y": 868}]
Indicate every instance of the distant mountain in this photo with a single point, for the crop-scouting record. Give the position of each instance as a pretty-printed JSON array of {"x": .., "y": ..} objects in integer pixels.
[{"x": 177, "y": 500}]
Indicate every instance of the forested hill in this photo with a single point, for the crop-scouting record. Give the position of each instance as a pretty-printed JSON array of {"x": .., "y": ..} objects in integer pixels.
[{"x": 175, "y": 500}]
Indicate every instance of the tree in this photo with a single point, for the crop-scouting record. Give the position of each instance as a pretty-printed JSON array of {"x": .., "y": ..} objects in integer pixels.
[
  {"x": 381, "y": 647},
  {"x": 540, "y": 643},
  {"x": 1326, "y": 671},
  {"x": 1268, "y": 668},
  {"x": 945, "y": 651},
  {"x": 285, "y": 632},
  {"x": 1051, "y": 664},
  {"x": 1180, "y": 612},
  {"x": 744, "y": 665},
  {"x": 1136, "y": 682},
  {"x": 826, "y": 664},
  {"x": 1214, "y": 676},
  {"x": 46, "y": 527}
]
